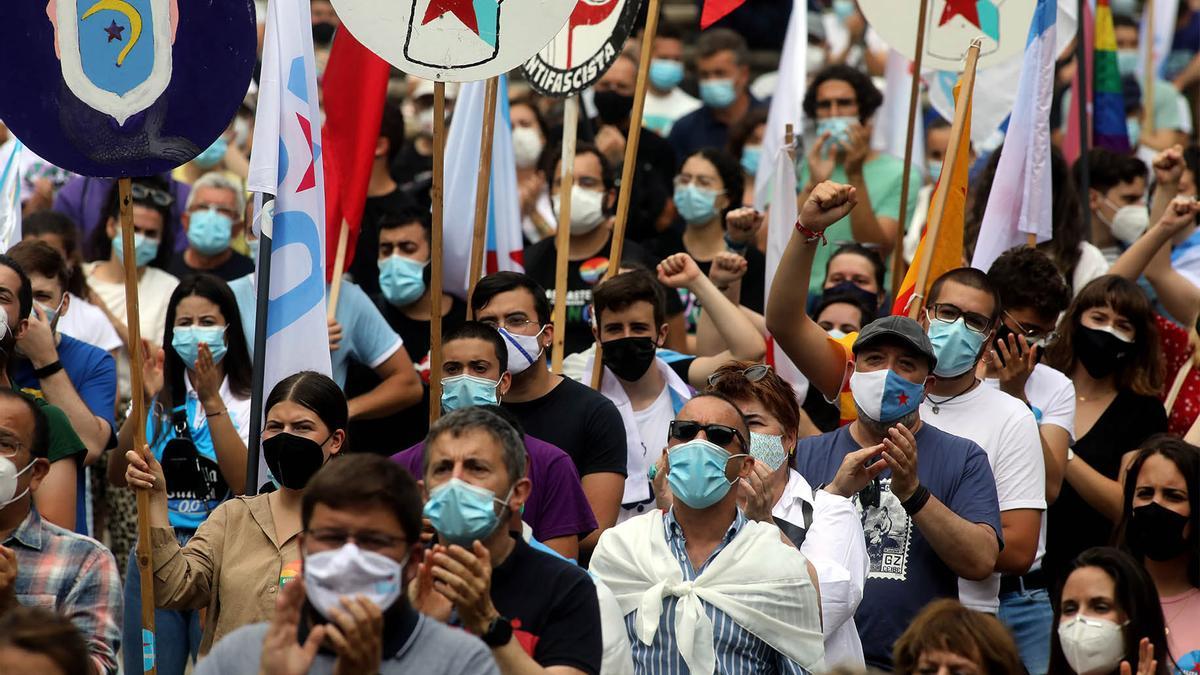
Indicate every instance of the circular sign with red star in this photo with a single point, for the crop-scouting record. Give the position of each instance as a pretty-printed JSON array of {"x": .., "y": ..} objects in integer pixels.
[
  {"x": 950, "y": 26},
  {"x": 584, "y": 48}
]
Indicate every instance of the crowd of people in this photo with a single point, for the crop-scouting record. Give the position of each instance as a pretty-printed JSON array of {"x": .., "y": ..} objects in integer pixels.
[{"x": 1006, "y": 483}]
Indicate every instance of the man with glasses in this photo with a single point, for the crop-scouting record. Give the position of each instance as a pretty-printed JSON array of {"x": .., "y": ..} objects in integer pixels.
[
  {"x": 537, "y": 612},
  {"x": 675, "y": 573},
  {"x": 214, "y": 218},
  {"x": 556, "y": 409},
  {"x": 348, "y": 612}
]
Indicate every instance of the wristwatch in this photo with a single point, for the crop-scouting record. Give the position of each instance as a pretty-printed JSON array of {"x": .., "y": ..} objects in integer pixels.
[{"x": 498, "y": 634}]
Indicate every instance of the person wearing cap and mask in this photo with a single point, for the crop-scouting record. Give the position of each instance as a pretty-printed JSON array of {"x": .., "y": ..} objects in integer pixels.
[
  {"x": 700, "y": 583},
  {"x": 479, "y": 575},
  {"x": 723, "y": 68},
  {"x": 212, "y": 221},
  {"x": 358, "y": 532},
  {"x": 666, "y": 102},
  {"x": 1117, "y": 199}
]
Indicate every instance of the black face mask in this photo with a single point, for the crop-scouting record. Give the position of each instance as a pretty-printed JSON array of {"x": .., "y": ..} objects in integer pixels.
[
  {"x": 1100, "y": 352},
  {"x": 1156, "y": 532},
  {"x": 629, "y": 358},
  {"x": 323, "y": 33},
  {"x": 611, "y": 107},
  {"x": 292, "y": 459},
  {"x": 867, "y": 298}
]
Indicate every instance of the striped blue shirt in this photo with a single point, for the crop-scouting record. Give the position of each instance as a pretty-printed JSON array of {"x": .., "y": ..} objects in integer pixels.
[{"x": 738, "y": 651}]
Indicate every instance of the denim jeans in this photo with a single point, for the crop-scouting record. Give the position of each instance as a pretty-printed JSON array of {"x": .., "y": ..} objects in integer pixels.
[
  {"x": 176, "y": 633},
  {"x": 1030, "y": 618}
]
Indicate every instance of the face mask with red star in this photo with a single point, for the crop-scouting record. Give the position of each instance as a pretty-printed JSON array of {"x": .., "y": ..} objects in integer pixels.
[{"x": 884, "y": 396}]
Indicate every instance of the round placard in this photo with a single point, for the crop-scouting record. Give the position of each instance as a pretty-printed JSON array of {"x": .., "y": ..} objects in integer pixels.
[
  {"x": 950, "y": 27},
  {"x": 592, "y": 39},
  {"x": 113, "y": 88}
]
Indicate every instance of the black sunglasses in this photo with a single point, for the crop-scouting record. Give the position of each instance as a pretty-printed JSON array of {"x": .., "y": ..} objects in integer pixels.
[
  {"x": 143, "y": 193},
  {"x": 719, "y": 434},
  {"x": 752, "y": 374}
]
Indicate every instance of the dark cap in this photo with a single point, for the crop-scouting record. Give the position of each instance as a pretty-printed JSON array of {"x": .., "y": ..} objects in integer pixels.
[{"x": 898, "y": 328}]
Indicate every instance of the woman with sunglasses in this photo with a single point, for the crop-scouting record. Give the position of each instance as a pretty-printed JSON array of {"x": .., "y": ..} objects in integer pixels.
[
  {"x": 1108, "y": 345},
  {"x": 248, "y": 548}
]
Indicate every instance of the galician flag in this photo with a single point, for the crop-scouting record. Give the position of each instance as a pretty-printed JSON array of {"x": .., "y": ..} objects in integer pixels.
[{"x": 10, "y": 192}]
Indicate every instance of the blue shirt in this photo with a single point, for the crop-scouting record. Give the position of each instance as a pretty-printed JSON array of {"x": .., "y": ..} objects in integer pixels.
[
  {"x": 738, "y": 651},
  {"x": 700, "y": 129},
  {"x": 366, "y": 335},
  {"x": 905, "y": 572}
]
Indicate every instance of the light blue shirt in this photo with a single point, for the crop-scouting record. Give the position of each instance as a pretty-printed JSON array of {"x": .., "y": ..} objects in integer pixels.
[{"x": 366, "y": 336}]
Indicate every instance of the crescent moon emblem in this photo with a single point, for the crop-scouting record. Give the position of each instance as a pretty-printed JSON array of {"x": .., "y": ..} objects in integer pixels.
[{"x": 130, "y": 12}]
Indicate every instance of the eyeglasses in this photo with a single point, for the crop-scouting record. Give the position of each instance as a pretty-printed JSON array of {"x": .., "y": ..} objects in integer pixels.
[
  {"x": 511, "y": 324},
  {"x": 144, "y": 193},
  {"x": 754, "y": 373},
  {"x": 705, "y": 182},
  {"x": 686, "y": 430},
  {"x": 9, "y": 445},
  {"x": 221, "y": 209},
  {"x": 1033, "y": 336},
  {"x": 368, "y": 541},
  {"x": 948, "y": 313}
]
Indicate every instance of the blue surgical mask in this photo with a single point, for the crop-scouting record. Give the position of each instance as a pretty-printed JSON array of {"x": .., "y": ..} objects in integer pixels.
[
  {"x": 1127, "y": 62},
  {"x": 751, "y": 156},
  {"x": 462, "y": 513},
  {"x": 695, "y": 204},
  {"x": 1133, "y": 126},
  {"x": 144, "y": 250},
  {"x": 187, "y": 339},
  {"x": 213, "y": 154},
  {"x": 955, "y": 345},
  {"x": 838, "y": 129},
  {"x": 401, "y": 280},
  {"x": 718, "y": 94},
  {"x": 209, "y": 231},
  {"x": 52, "y": 314},
  {"x": 252, "y": 247},
  {"x": 697, "y": 475},
  {"x": 843, "y": 9},
  {"x": 935, "y": 170},
  {"x": 464, "y": 391},
  {"x": 666, "y": 74}
]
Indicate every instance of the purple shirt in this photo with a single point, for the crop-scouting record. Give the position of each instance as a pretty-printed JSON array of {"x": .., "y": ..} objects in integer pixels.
[
  {"x": 556, "y": 507},
  {"x": 84, "y": 199}
]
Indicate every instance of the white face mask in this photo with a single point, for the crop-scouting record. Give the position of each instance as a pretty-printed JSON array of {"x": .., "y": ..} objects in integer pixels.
[
  {"x": 1129, "y": 223},
  {"x": 527, "y": 146},
  {"x": 348, "y": 571},
  {"x": 1091, "y": 646},
  {"x": 425, "y": 121},
  {"x": 8, "y": 481},
  {"x": 587, "y": 209},
  {"x": 523, "y": 350},
  {"x": 814, "y": 58}
]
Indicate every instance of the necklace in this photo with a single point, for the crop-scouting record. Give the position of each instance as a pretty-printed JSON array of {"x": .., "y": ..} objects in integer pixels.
[
  {"x": 1184, "y": 600},
  {"x": 937, "y": 405}
]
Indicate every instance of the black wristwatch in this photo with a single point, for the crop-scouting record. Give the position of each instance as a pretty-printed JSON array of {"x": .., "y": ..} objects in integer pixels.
[
  {"x": 47, "y": 370},
  {"x": 498, "y": 634}
]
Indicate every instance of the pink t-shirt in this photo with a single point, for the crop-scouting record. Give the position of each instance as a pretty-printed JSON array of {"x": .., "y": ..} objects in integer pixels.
[{"x": 1182, "y": 613}]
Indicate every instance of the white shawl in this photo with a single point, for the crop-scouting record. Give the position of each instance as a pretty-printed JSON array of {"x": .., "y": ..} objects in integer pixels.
[{"x": 757, "y": 580}]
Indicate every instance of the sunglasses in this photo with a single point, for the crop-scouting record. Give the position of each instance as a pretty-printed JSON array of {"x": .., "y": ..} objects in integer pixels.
[
  {"x": 752, "y": 374},
  {"x": 719, "y": 434},
  {"x": 143, "y": 193}
]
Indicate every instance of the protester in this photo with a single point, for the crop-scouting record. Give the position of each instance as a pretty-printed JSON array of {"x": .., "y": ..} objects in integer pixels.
[
  {"x": 1108, "y": 618},
  {"x": 36, "y": 640},
  {"x": 213, "y": 219},
  {"x": 43, "y": 564},
  {"x": 305, "y": 427},
  {"x": 946, "y": 637},
  {"x": 666, "y": 102},
  {"x": 745, "y": 144},
  {"x": 85, "y": 200},
  {"x": 840, "y": 311},
  {"x": 858, "y": 269},
  {"x": 516, "y": 306},
  {"x": 481, "y": 571},
  {"x": 1172, "y": 121},
  {"x": 474, "y": 373},
  {"x": 750, "y": 602},
  {"x": 1159, "y": 526},
  {"x": 360, "y": 524},
  {"x": 1109, "y": 347},
  {"x": 529, "y": 134},
  {"x": 1117, "y": 200},
  {"x": 723, "y": 71}
]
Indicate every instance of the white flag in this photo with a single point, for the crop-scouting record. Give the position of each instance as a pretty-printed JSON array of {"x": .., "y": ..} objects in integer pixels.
[
  {"x": 890, "y": 134},
  {"x": 10, "y": 193}
]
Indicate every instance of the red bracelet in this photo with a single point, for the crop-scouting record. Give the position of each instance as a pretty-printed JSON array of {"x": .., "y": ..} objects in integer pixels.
[{"x": 809, "y": 235}]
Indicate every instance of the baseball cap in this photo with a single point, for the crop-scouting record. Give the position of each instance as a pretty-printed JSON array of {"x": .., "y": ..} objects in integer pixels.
[{"x": 899, "y": 328}]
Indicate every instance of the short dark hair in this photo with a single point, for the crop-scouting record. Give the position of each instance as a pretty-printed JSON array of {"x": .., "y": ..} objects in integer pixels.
[
  {"x": 866, "y": 94},
  {"x": 40, "y": 631},
  {"x": 845, "y": 297},
  {"x": 1027, "y": 278},
  {"x": 402, "y": 218},
  {"x": 743, "y": 129},
  {"x": 1125, "y": 21},
  {"x": 730, "y": 171},
  {"x": 25, "y": 292},
  {"x": 474, "y": 330},
  {"x": 40, "y": 258},
  {"x": 971, "y": 278},
  {"x": 552, "y": 155},
  {"x": 716, "y": 40},
  {"x": 623, "y": 290},
  {"x": 316, "y": 392},
  {"x": 712, "y": 393},
  {"x": 1108, "y": 169},
  {"x": 391, "y": 127},
  {"x": 41, "y": 426},
  {"x": 357, "y": 480},
  {"x": 457, "y": 423},
  {"x": 102, "y": 244},
  {"x": 502, "y": 282},
  {"x": 60, "y": 225},
  {"x": 666, "y": 31}
]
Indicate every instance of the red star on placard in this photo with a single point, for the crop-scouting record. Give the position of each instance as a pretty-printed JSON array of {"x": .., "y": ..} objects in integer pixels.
[
  {"x": 965, "y": 8},
  {"x": 902, "y": 399},
  {"x": 463, "y": 9}
]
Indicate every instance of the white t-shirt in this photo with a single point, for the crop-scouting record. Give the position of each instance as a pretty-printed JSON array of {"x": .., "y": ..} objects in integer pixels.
[
  {"x": 154, "y": 295},
  {"x": 1005, "y": 428},
  {"x": 662, "y": 111},
  {"x": 1092, "y": 265},
  {"x": 87, "y": 323},
  {"x": 654, "y": 422}
]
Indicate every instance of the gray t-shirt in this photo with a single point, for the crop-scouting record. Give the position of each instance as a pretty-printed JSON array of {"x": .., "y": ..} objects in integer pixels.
[{"x": 432, "y": 649}]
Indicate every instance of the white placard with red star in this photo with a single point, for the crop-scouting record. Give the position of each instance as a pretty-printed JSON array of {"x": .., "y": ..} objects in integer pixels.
[
  {"x": 454, "y": 40},
  {"x": 950, "y": 27}
]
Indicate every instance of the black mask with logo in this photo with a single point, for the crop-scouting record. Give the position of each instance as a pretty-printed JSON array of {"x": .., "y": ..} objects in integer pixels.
[{"x": 629, "y": 358}]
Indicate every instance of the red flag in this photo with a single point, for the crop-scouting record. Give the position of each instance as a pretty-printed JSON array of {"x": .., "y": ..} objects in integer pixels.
[
  {"x": 1072, "y": 144},
  {"x": 715, "y": 10},
  {"x": 354, "y": 89}
]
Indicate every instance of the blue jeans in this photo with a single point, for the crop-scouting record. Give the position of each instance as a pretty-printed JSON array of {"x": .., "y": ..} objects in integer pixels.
[
  {"x": 176, "y": 634},
  {"x": 1030, "y": 618}
]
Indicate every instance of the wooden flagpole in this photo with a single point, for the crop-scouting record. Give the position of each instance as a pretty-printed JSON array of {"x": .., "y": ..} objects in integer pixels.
[
  {"x": 339, "y": 267},
  {"x": 914, "y": 96},
  {"x": 1149, "y": 76},
  {"x": 482, "y": 185},
  {"x": 630, "y": 165},
  {"x": 435, "y": 260},
  {"x": 562, "y": 236},
  {"x": 138, "y": 419},
  {"x": 934, "y": 225}
]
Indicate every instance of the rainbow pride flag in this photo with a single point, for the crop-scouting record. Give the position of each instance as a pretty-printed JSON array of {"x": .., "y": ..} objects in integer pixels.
[{"x": 1108, "y": 111}]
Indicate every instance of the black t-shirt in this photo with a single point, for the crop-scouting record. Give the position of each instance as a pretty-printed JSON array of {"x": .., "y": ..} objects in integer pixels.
[
  {"x": 236, "y": 267},
  {"x": 364, "y": 269},
  {"x": 581, "y": 421},
  {"x": 753, "y": 283},
  {"x": 582, "y": 275},
  {"x": 391, "y": 434},
  {"x": 559, "y": 624}
]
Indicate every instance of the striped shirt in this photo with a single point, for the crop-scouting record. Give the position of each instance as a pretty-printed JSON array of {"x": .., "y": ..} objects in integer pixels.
[
  {"x": 74, "y": 576},
  {"x": 738, "y": 651}
]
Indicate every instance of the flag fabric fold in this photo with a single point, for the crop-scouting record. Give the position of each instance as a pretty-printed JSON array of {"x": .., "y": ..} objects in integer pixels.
[
  {"x": 890, "y": 132},
  {"x": 715, "y": 10},
  {"x": 10, "y": 192},
  {"x": 1020, "y": 202},
  {"x": 1109, "y": 130},
  {"x": 1166, "y": 13},
  {"x": 1073, "y": 141}
]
